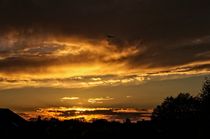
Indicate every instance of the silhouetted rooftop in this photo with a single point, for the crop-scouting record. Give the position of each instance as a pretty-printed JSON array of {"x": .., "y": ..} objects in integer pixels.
[{"x": 9, "y": 119}]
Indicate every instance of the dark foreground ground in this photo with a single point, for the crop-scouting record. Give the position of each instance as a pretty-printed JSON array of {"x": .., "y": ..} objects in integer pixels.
[{"x": 101, "y": 129}]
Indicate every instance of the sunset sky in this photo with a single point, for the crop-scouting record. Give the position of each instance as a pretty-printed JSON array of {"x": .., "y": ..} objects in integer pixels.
[{"x": 101, "y": 53}]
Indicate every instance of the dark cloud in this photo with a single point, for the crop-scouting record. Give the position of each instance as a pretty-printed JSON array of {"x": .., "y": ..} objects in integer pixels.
[
  {"x": 39, "y": 64},
  {"x": 23, "y": 64},
  {"x": 170, "y": 33},
  {"x": 130, "y": 19},
  {"x": 171, "y": 55},
  {"x": 205, "y": 67},
  {"x": 113, "y": 112}
]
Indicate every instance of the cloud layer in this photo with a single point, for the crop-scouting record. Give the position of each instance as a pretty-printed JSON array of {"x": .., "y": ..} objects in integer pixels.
[
  {"x": 79, "y": 43},
  {"x": 90, "y": 114}
]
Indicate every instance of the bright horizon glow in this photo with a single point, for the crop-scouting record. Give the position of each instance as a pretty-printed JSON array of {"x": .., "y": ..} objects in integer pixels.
[{"x": 89, "y": 114}]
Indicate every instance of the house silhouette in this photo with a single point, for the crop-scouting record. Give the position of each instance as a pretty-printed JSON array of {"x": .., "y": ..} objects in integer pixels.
[{"x": 10, "y": 120}]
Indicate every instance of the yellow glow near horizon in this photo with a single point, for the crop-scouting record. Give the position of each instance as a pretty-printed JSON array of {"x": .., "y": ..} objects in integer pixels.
[{"x": 87, "y": 114}]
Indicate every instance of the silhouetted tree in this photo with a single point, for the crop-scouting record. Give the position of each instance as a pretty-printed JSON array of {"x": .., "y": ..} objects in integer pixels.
[
  {"x": 205, "y": 99},
  {"x": 182, "y": 107}
]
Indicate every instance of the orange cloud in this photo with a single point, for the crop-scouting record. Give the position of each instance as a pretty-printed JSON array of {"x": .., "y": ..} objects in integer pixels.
[
  {"x": 69, "y": 98},
  {"x": 99, "y": 100},
  {"x": 40, "y": 60},
  {"x": 89, "y": 114}
]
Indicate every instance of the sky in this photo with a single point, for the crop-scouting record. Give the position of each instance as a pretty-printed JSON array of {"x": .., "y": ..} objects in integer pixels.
[{"x": 105, "y": 54}]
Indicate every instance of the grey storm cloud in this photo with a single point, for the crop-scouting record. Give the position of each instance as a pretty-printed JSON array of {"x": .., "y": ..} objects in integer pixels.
[{"x": 171, "y": 33}]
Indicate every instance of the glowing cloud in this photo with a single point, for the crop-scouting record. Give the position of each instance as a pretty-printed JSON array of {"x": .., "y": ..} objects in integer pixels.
[
  {"x": 89, "y": 114},
  {"x": 99, "y": 100},
  {"x": 128, "y": 96},
  {"x": 46, "y": 52},
  {"x": 69, "y": 98}
]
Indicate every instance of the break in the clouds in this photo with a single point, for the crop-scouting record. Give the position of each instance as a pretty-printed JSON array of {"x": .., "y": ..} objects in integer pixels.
[{"x": 75, "y": 43}]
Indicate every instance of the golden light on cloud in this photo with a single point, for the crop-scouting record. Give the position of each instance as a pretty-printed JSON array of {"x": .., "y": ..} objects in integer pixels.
[
  {"x": 128, "y": 96},
  {"x": 79, "y": 62},
  {"x": 89, "y": 114},
  {"x": 69, "y": 98},
  {"x": 99, "y": 100},
  {"x": 48, "y": 60}
]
